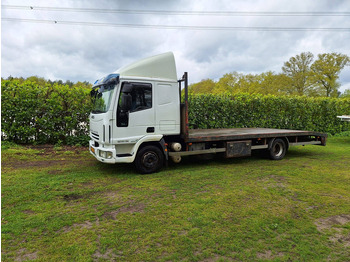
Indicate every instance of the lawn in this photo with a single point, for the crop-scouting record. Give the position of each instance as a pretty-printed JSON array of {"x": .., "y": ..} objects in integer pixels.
[{"x": 60, "y": 204}]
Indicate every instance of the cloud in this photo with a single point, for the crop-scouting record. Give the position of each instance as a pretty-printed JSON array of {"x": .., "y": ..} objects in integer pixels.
[{"x": 80, "y": 53}]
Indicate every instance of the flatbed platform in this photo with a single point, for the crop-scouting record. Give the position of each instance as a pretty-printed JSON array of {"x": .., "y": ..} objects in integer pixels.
[{"x": 231, "y": 134}]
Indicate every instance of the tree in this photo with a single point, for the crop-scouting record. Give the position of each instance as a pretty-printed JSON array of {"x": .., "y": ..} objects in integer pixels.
[
  {"x": 84, "y": 84},
  {"x": 264, "y": 83},
  {"x": 249, "y": 84},
  {"x": 298, "y": 70},
  {"x": 227, "y": 83},
  {"x": 203, "y": 87},
  {"x": 274, "y": 84},
  {"x": 38, "y": 80},
  {"x": 326, "y": 70}
]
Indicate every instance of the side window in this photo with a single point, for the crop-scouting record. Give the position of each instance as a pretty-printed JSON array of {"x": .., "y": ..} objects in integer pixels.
[
  {"x": 141, "y": 97},
  {"x": 133, "y": 97}
]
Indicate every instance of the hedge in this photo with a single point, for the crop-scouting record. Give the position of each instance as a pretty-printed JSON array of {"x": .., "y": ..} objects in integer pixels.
[
  {"x": 44, "y": 114},
  {"x": 254, "y": 110},
  {"x": 59, "y": 113}
]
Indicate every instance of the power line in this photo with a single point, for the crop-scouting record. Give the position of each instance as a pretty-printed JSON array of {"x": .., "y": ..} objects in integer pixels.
[
  {"x": 193, "y": 27},
  {"x": 171, "y": 12}
]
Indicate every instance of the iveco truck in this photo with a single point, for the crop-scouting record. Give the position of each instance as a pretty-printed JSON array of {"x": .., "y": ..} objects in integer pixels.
[{"x": 138, "y": 117}]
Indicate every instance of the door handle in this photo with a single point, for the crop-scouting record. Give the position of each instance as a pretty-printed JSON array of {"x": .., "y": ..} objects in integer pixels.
[{"x": 150, "y": 130}]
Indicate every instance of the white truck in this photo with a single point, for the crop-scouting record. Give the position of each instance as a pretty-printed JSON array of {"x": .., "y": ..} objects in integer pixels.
[{"x": 138, "y": 117}]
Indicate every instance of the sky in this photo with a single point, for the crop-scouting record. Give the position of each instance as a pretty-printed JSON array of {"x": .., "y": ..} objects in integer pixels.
[{"x": 88, "y": 47}]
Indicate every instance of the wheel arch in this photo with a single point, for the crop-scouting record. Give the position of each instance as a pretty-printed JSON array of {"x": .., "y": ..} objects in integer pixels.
[
  {"x": 285, "y": 139},
  {"x": 151, "y": 143},
  {"x": 160, "y": 143}
]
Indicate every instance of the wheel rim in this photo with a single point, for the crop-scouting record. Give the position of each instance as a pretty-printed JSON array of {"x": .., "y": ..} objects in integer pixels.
[
  {"x": 150, "y": 159},
  {"x": 278, "y": 149}
]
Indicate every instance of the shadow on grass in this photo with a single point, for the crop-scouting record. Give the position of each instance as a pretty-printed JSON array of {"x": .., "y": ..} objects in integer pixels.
[
  {"x": 300, "y": 153},
  {"x": 210, "y": 160},
  {"x": 257, "y": 157}
]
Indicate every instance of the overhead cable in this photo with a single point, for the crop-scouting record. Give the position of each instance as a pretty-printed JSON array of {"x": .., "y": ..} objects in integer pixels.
[
  {"x": 173, "y": 12},
  {"x": 180, "y": 27}
]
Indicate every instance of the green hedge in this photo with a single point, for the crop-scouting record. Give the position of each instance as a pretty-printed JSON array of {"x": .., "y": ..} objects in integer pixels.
[
  {"x": 59, "y": 114},
  {"x": 247, "y": 110},
  {"x": 44, "y": 114}
]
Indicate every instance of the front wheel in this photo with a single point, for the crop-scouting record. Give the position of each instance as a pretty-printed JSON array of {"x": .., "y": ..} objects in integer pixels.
[
  {"x": 149, "y": 159},
  {"x": 278, "y": 149}
]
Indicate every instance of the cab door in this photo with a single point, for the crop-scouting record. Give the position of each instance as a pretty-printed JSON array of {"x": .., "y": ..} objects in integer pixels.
[{"x": 135, "y": 111}]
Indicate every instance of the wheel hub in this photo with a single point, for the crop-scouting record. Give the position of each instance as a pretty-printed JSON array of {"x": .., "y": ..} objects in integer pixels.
[
  {"x": 150, "y": 159},
  {"x": 278, "y": 150}
]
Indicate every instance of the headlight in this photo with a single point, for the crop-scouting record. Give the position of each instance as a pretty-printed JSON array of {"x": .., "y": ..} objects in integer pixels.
[
  {"x": 109, "y": 155},
  {"x": 105, "y": 154}
]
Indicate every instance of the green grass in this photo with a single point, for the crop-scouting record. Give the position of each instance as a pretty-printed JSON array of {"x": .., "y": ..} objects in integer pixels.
[{"x": 60, "y": 204}]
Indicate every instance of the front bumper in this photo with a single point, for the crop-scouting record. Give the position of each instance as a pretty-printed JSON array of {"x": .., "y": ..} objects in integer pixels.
[{"x": 107, "y": 154}]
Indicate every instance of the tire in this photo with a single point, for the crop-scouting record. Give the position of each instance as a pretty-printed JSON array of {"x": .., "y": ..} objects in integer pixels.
[
  {"x": 278, "y": 149},
  {"x": 149, "y": 159}
]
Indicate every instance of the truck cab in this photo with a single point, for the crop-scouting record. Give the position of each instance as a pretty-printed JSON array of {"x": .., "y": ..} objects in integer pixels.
[{"x": 135, "y": 106}]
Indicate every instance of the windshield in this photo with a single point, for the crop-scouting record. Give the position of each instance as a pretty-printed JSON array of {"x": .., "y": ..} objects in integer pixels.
[{"x": 102, "y": 97}]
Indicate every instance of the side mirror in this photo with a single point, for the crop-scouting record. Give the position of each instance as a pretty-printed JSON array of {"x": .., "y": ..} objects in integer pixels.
[
  {"x": 126, "y": 102},
  {"x": 127, "y": 88},
  {"x": 95, "y": 94}
]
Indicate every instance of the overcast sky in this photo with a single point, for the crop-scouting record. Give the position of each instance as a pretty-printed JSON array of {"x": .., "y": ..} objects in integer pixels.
[{"x": 86, "y": 53}]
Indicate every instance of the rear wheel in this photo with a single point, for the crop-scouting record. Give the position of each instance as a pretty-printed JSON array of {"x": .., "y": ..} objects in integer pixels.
[
  {"x": 278, "y": 149},
  {"x": 149, "y": 160}
]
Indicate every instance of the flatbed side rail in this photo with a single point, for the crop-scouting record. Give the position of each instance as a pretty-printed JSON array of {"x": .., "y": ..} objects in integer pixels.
[
  {"x": 306, "y": 143},
  {"x": 293, "y": 136}
]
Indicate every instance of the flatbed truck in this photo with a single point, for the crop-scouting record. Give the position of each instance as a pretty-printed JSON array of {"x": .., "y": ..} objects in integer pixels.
[{"x": 139, "y": 118}]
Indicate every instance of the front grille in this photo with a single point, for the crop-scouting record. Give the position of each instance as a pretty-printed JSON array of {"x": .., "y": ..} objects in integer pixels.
[{"x": 94, "y": 135}]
